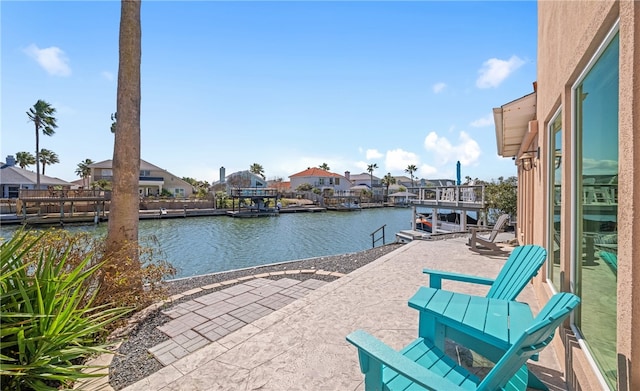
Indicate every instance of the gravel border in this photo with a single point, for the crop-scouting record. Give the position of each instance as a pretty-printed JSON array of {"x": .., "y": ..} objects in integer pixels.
[{"x": 132, "y": 361}]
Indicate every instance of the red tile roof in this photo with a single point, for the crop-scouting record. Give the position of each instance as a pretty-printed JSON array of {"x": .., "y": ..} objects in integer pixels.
[{"x": 315, "y": 172}]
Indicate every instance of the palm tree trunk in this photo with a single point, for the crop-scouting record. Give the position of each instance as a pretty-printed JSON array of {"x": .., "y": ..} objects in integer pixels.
[
  {"x": 37, "y": 125},
  {"x": 122, "y": 236}
]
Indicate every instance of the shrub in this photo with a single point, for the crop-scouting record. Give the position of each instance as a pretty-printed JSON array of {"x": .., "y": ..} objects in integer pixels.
[
  {"x": 79, "y": 246},
  {"x": 49, "y": 319}
]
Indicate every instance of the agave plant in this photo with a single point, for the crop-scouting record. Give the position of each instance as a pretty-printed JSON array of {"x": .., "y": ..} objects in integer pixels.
[{"x": 48, "y": 322}]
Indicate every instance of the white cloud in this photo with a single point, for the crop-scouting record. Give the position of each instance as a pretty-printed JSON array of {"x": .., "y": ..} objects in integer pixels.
[
  {"x": 494, "y": 71},
  {"x": 398, "y": 159},
  {"x": 439, "y": 87},
  {"x": 52, "y": 59},
  {"x": 467, "y": 151},
  {"x": 426, "y": 171},
  {"x": 107, "y": 75},
  {"x": 482, "y": 122},
  {"x": 373, "y": 154}
]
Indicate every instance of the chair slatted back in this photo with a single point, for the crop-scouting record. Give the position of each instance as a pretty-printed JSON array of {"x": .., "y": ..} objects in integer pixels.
[
  {"x": 521, "y": 266},
  {"x": 532, "y": 341},
  {"x": 498, "y": 227}
]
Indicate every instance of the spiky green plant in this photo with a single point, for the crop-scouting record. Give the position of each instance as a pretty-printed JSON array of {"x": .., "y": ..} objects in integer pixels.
[{"x": 48, "y": 322}]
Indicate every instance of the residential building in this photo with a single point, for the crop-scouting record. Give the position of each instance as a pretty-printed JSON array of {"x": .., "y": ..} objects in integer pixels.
[
  {"x": 364, "y": 179},
  {"x": 14, "y": 178},
  {"x": 239, "y": 180},
  {"x": 403, "y": 180},
  {"x": 574, "y": 141},
  {"x": 153, "y": 179},
  {"x": 320, "y": 179}
]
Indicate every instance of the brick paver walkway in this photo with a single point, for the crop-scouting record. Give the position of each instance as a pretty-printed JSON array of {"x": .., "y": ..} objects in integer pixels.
[{"x": 196, "y": 323}]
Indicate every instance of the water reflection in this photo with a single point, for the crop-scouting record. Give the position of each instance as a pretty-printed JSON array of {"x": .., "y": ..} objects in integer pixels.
[{"x": 201, "y": 245}]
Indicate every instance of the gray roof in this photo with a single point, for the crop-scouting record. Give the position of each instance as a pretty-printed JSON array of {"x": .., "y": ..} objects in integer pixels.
[{"x": 12, "y": 175}]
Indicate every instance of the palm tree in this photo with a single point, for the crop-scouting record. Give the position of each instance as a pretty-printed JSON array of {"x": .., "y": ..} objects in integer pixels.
[
  {"x": 411, "y": 168},
  {"x": 370, "y": 169},
  {"x": 41, "y": 114},
  {"x": 388, "y": 180},
  {"x": 121, "y": 250},
  {"x": 114, "y": 122},
  {"x": 48, "y": 158},
  {"x": 84, "y": 171},
  {"x": 324, "y": 166},
  {"x": 257, "y": 169},
  {"x": 25, "y": 159}
]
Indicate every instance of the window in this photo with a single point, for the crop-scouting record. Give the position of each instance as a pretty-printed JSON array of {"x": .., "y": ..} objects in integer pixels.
[
  {"x": 321, "y": 181},
  {"x": 145, "y": 173},
  {"x": 596, "y": 206},
  {"x": 555, "y": 197},
  {"x": 178, "y": 192},
  {"x": 13, "y": 191},
  {"x": 337, "y": 182}
]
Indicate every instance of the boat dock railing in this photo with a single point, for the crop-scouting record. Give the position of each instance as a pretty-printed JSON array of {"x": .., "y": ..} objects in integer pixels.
[
  {"x": 57, "y": 195},
  {"x": 466, "y": 197},
  {"x": 373, "y": 236}
]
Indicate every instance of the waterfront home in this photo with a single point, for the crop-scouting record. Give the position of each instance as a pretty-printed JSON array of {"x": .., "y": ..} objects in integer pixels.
[
  {"x": 363, "y": 179},
  {"x": 14, "y": 178},
  {"x": 573, "y": 140},
  {"x": 153, "y": 179},
  {"x": 321, "y": 179},
  {"x": 238, "y": 180}
]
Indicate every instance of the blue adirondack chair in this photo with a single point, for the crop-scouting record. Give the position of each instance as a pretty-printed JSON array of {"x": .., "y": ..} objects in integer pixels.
[
  {"x": 422, "y": 366},
  {"x": 521, "y": 266}
]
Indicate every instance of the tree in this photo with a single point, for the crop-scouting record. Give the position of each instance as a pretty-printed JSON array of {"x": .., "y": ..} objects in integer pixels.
[
  {"x": 114, "y": 122},
  {"x": 304, "y": 187},
  {"x": 25, "y": 159},
  {"x": 48, "y": 158},
  {"x": 388, "y": 180},
  {"x": 324, "y": 166},
  {"x": 411, "y": 168},
  {"x": 122, "y": 235},
  {"x": 370, "y": 169},
  {"x": 257, "y": 169},
  {"x": 41, "y": 114},
  {"x": 501, "y": 196},
  {"x": 84, "y": 171}
]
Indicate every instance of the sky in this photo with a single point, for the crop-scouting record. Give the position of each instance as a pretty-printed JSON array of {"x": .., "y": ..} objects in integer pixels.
[{"x": 288, "y": 85}]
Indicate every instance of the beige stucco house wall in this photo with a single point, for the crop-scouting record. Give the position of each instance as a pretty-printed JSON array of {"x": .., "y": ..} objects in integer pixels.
[
  {"x": 571, "y": 37},
  {"x": 152, "y": 181}
]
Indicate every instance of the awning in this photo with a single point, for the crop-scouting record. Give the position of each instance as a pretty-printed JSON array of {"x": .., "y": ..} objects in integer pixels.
[{"x": 512, "y": 123}]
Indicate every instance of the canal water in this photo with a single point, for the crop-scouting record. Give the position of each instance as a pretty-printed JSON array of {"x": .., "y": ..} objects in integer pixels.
[{"x": 201, "y": 245}]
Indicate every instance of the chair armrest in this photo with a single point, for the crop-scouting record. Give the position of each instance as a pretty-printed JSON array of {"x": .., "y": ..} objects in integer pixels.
[
  {"x": 436, "y": 277},
  {"x": 372, "y": 351}
]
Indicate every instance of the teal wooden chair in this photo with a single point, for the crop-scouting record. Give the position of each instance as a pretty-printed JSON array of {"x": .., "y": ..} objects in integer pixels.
[
  {"x": 422, "y": 366},
  {"x": 521, "y": 266}
]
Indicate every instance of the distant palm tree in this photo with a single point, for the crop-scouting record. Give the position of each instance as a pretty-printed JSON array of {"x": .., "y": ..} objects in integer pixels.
[
  {"x": 84, "y": 171},
  {"x": 388, "y": 180},
  {"x": 41, "y": 114},
  {"x": 257, "y": 169},
  {"x": 114, "y": 122},
  {"x": 324, "y": 166},
  {"x": 411, "y": 168},
  {"x": 370, "y": 168},
  {"x": 48, "y": 158},
  {"x": 25, "y": 159}
]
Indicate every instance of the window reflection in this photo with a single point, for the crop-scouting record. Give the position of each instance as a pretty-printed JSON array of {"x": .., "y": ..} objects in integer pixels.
[{"x": 597, "y": 207}]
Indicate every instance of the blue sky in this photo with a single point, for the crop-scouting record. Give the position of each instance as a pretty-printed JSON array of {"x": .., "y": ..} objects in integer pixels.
[{"x": 288, "y": 85}]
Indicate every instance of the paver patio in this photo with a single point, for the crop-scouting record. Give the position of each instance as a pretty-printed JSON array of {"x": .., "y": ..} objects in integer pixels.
[{"x": 302, "y": 345}]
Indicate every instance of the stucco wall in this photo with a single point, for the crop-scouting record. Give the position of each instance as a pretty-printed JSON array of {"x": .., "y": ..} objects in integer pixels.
[{"x": 569, "y": 35}]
